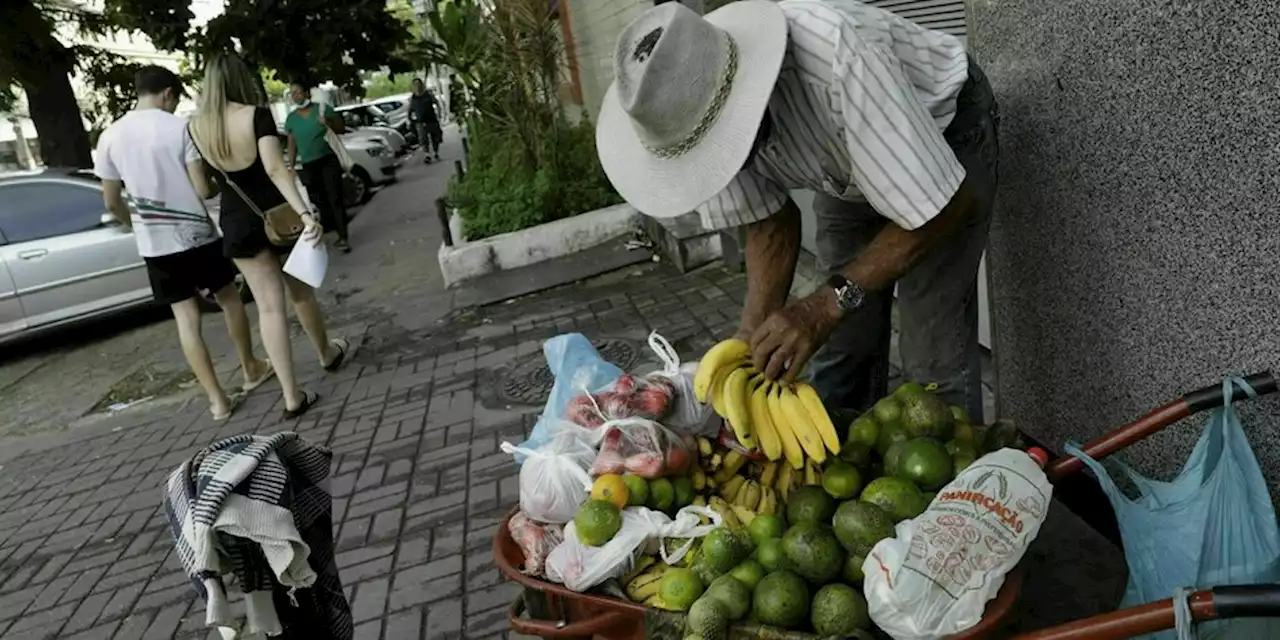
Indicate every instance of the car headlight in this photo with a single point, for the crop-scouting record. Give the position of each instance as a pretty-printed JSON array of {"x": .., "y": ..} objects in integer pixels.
[{"x": 377, "y": 150}]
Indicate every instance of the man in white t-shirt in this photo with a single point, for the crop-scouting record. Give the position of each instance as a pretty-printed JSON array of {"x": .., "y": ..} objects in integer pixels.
[{"x": 150, "y": 153}]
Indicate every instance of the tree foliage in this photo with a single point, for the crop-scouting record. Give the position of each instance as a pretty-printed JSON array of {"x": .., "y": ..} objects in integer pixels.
[{"x": 308, "y": 41}]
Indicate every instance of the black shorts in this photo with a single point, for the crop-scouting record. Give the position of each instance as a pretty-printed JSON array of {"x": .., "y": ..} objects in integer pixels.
[{"x": 179, "y": 276}]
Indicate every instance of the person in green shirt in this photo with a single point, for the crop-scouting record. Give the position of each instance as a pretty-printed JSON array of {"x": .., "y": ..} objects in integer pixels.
[{"x": 321, "y": 171}]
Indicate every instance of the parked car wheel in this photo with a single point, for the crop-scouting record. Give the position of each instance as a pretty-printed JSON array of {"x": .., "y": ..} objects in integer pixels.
[{"x": 356, "y": 188}]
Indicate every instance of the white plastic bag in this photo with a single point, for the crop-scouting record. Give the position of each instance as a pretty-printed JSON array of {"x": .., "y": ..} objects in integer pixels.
[
  {"x": 580, "y": 567},
  {"x": 934, "y": 578},
  {"x": 685, "y": 411},
  {"x": 553, "y": 480}
]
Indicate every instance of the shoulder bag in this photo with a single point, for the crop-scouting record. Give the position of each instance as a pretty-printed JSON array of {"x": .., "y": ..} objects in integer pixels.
[
  {"x": 282, "y": 224},
  {"x": 335, "y": 142}
]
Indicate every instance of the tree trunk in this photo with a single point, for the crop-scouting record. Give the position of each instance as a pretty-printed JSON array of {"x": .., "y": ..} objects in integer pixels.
[{"x": 56, "y": 115}]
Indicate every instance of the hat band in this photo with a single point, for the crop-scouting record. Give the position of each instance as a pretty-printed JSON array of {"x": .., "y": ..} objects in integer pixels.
[{"x": 712, "y": 112}]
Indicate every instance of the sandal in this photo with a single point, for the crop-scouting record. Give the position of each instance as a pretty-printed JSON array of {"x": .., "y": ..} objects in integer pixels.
[
  {"x": 343, "y": 346},
  {"x": 234, "y": 403},
  {"x": 342, "y": 245},
  {"x": 308, "y": 399},
  {"x": 267, "y": 374}
]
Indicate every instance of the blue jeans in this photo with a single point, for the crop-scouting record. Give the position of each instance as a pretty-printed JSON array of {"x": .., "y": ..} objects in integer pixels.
[{"x": 937, "y": 298}]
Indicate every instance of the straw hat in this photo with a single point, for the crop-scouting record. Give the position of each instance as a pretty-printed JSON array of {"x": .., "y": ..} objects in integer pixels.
[{"x": 688, "y": 96}]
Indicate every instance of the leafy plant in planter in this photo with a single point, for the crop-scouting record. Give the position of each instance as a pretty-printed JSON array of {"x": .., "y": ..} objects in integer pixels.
[{"x": 529, "y": 164}]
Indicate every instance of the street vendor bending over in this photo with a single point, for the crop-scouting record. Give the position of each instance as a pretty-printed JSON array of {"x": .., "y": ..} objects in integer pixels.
[{"x": 893, "y": 128}]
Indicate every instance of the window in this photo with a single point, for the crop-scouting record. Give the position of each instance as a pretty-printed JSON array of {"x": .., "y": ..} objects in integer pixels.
[{"x": 36, "y": 210}]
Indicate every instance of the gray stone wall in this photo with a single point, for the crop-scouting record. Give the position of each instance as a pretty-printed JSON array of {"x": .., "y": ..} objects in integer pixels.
[{"x": 1136, "y": 244}]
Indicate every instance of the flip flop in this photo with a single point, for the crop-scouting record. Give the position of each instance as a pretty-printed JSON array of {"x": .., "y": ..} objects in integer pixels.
[
  {"x": 268, "y": 374},
  {"x": 308, "y": 399},
  {"x": 236, "y": 401},
  {"x": 343, "y": 348}
]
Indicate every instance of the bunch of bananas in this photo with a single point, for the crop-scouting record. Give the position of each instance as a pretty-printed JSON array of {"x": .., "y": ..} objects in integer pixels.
[
  {"x": 779, "y": 420},
  {"x": 782, "y": 478},
  {"x": 643, "y": 581}
]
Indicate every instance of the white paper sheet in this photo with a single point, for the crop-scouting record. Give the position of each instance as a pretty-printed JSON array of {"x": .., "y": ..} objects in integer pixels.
[{"x": 308, "y": 263}]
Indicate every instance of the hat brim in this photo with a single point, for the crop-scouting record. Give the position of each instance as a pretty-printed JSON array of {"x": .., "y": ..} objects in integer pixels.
[{"x": 669, "y": 187}]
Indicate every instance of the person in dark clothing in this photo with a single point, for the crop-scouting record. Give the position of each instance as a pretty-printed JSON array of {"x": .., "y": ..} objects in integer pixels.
[
  {"x": 321, "y": 171},
  {"x": 422, "y": 111}
]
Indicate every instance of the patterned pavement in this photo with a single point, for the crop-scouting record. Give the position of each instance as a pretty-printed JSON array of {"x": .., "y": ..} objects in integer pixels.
[{"x": 419, "y": 483}]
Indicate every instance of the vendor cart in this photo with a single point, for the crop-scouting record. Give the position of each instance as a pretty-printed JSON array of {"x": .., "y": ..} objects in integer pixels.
[{"x": 550, "y": 610}]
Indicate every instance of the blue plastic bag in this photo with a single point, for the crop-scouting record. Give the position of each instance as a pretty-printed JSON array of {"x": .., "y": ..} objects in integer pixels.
[
  {"x": 577, "y": 368},
  {"x": 1212, "y": 525}
]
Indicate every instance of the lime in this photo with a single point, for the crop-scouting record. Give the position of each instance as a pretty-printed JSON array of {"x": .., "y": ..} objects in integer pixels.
[
  {"x": 842, "y": 480},
  {"x": 732, "y": 593},
  {"x": 684, "y": 491},
  {"x": 860, "y": 525},
  {"x": 852, "y": 573},
  {"x": 707, "y": 618},
  {"x": 838, "y": 610},
  {"x": 596, "y": 522},
  {"x": 858, "y": 455},
  {"x": 770, "y": 556},
  {"x": 957, "y": 445},
  {"x": 864, "y": 431},
  {"x": 781, "y": 600},
  {"x": 750, "y": 572},
  {"x": 924, "y": 414},
  {"x": 662, "y": 494},
  {"x": 721, "y": 550},
  {"x": 814, "y": 552},
  {"x": 900, "y": 498},
  {"x": 679, "y": 589},
  {"x": 893, "y": 457},
  {"x": 637, "y": 490},
  {"x": 766, "y": 526},
  {"x": 924, "y": 461},
  {"x": 887, "y": 412},
  {"x": 888, "y": 436},
  {"x": 809, "y": 504},
  {"x": 964, "y": 431},
  {"x": 959, "y": 414}
]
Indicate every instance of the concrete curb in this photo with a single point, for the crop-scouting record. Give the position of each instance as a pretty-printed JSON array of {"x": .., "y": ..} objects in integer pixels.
[{"x": 469, "y": 260}]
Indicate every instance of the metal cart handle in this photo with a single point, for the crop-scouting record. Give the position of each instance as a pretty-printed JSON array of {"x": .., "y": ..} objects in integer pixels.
[
  {"x": 588, "y": 628},
  {"x": 1200, "y": 400},
  {"x": 1218, "y": 603}
]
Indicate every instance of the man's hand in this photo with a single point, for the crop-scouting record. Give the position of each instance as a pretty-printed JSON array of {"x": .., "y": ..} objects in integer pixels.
[{"x": 786, "y": 340}]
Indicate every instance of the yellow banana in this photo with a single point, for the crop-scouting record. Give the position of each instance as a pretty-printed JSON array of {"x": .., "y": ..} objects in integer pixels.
[
  {"x": 717, "y": 357},
  {"x": 786, "y": 480},
  {"x": 699, "y": 480},
  {"x": 732, "y": 488},
  {"x": 786, "y": 434},
  {"x": 642, "y": 565},
  {"x": 769, "y": 474},
  {"x": 655, "y": 601},
  {"x": 646, "y": 584},
  {"x": 818, "y": 415},
  {"x": 805, "y": 432},
  {"x": 725, "y": 510},
  {"x": 766, "y": 431},
  {"x": 733, "y": 461},
  {"x": 738, "y": 414},
  {"x": 704, "y": 446},
  {"x": 751, "y": 495},
  {"x": 717, "y": 393},
  {"x": 768, "y": 501},
  {"x": 811, "y": 473},
  {"x": 699, "y": 501},
  {"x": 714, "y": 463},
  {"x": 744, "y": 514}
]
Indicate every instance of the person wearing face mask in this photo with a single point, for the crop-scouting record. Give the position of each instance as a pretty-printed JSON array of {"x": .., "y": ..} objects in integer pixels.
[{"x": 321, "y": 170}]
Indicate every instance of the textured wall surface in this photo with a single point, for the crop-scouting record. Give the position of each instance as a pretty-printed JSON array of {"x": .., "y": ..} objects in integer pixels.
[{"x": 1136, "y": 246}]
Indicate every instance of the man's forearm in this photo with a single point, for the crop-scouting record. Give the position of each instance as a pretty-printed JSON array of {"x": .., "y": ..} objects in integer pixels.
[
  {"x": 895, "y": 250},
  {"x": 121, "y": 211},
  {"x": 773, "y": 246}
]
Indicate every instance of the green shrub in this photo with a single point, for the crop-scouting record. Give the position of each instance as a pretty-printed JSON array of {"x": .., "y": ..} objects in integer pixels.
[{"x": 505, "y": 190}]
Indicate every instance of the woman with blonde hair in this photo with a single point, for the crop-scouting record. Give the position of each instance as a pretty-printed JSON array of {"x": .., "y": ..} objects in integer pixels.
[{"x": 237, "y": 136}]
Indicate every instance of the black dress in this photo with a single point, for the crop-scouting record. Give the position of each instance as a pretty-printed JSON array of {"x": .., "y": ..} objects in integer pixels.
[{"x": 242, "y": 232}]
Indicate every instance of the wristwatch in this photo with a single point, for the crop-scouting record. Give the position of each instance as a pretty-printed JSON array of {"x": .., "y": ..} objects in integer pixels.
[{"x": 849, "y": 294}]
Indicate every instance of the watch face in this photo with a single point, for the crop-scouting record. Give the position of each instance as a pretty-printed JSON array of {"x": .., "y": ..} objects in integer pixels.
[{"x": 849, "y": 297}]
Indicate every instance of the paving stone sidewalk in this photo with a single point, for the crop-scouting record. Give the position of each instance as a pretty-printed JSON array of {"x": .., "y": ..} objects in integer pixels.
[{"x": 419, "y": 483}]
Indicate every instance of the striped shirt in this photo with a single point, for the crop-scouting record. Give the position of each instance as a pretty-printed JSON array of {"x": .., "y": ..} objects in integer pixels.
[{"x": 858, "y": 112}]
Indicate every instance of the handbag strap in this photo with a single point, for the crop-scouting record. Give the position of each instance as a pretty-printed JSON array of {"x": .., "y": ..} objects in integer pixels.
[{"x": 234, "y": 187}]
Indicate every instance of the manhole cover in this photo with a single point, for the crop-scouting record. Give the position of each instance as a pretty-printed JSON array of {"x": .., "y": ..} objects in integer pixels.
[{"x": 530, "y": 381}]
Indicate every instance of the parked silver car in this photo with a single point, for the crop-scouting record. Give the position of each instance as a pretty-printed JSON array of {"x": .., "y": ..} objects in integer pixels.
[{"x": 63, "y": 257}]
